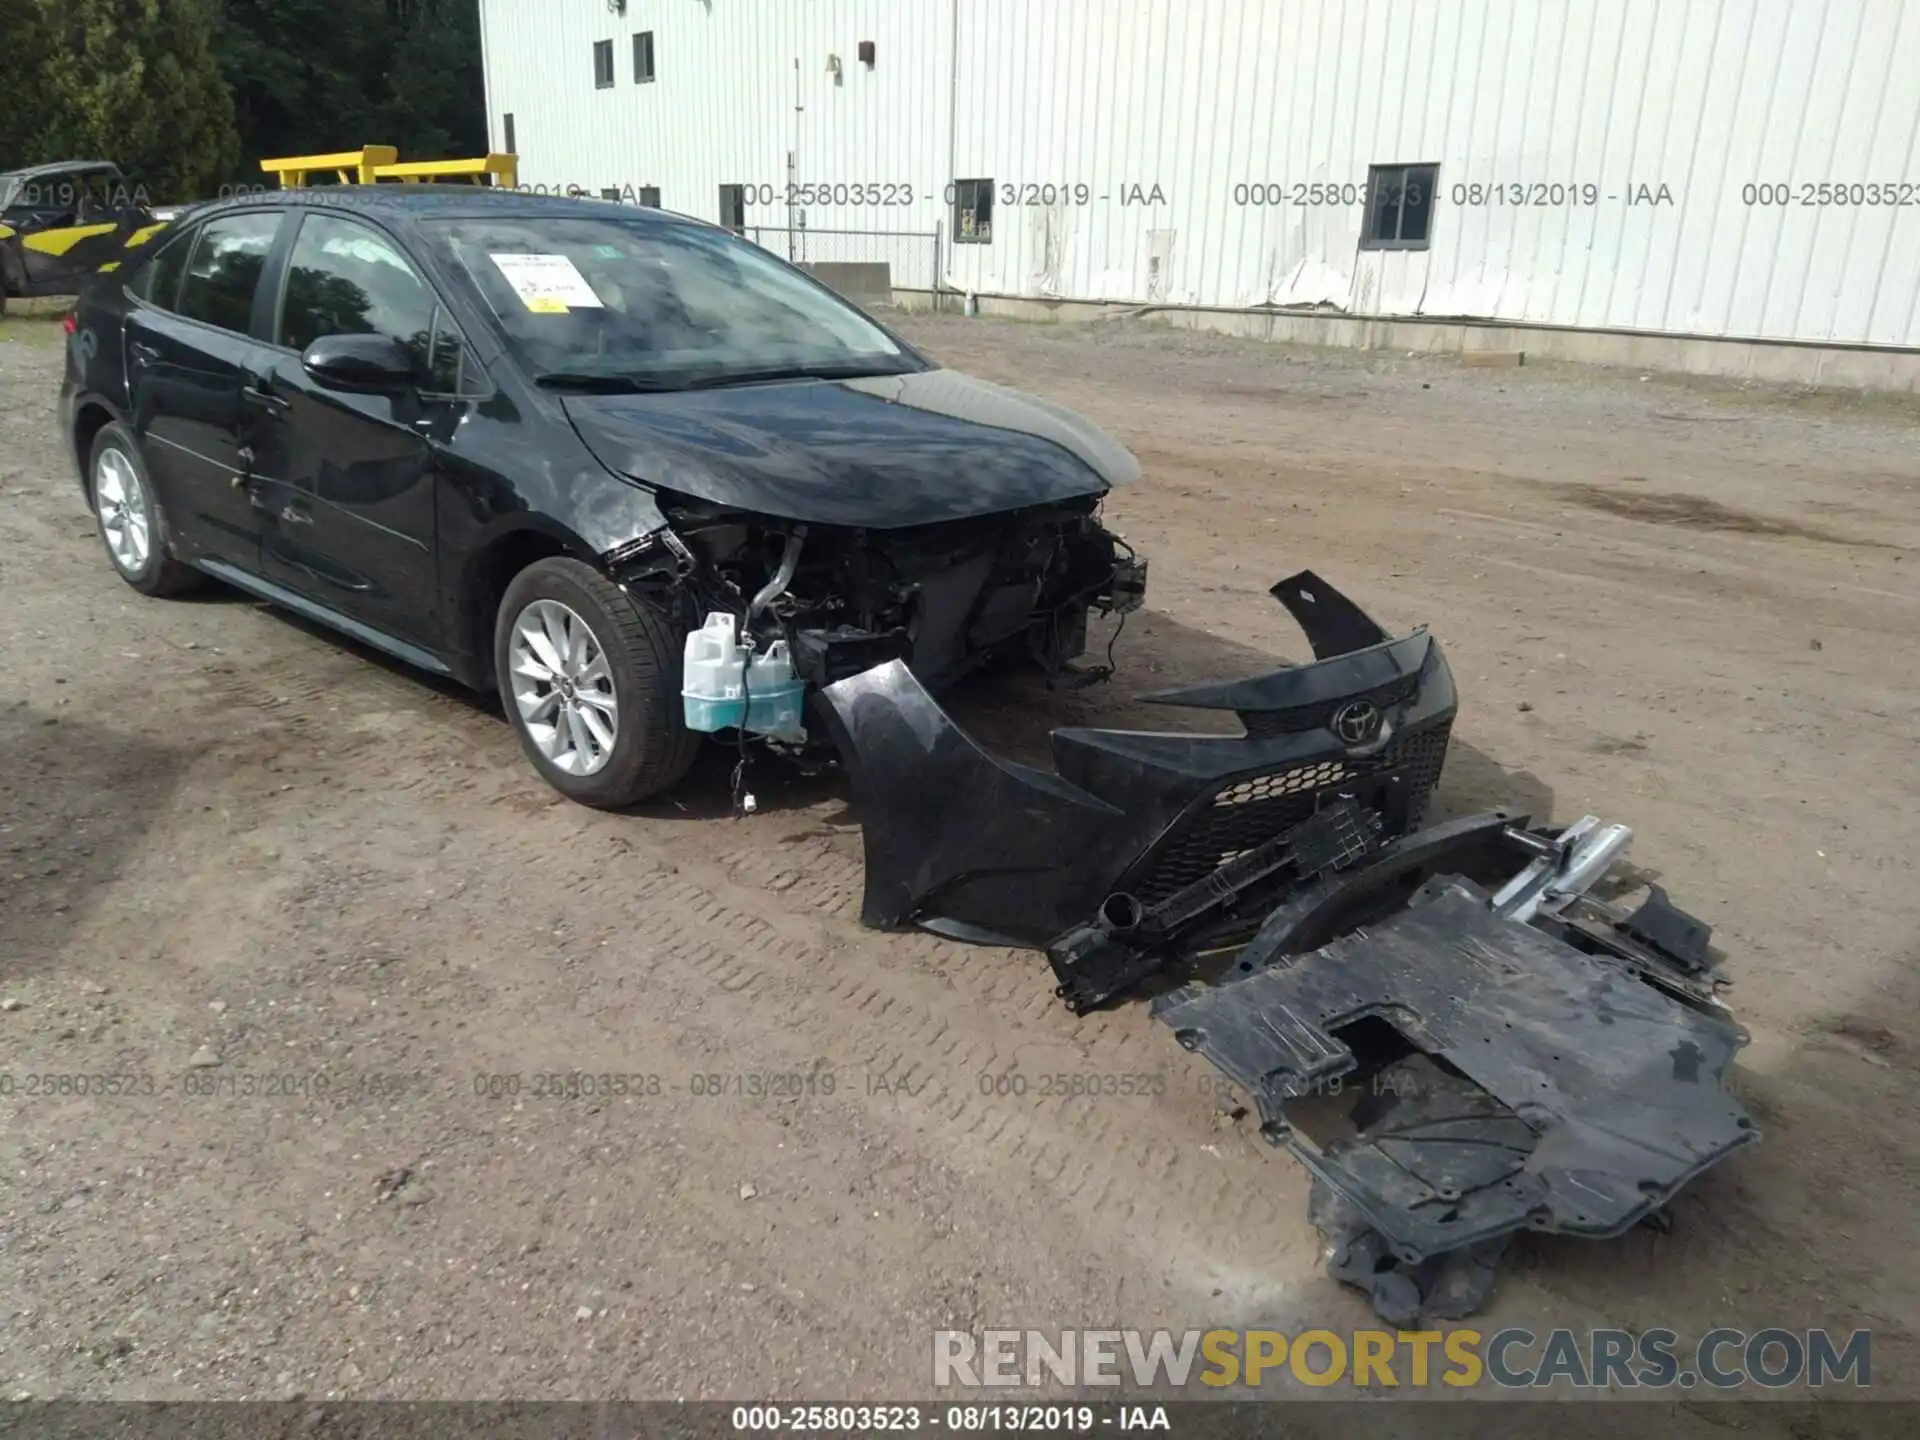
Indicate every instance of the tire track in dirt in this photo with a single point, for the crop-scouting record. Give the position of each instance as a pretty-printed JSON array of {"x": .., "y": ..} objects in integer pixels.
[
  {"x": 1123, "y": 1163},
  {"x": 786, "y": 957}
]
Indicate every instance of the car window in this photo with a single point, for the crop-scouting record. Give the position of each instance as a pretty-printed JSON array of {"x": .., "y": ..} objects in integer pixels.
[
  {"x": 445, "y": 374},
  {"x": 225, "y": 269},
  {"x": 46, "y": 193},
  {"x": 158, "y": 281},
  {"x": 103, "y": 191},
  {"x": 347, "y": 279}
]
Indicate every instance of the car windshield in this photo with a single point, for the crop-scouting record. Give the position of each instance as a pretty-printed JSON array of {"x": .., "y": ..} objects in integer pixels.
[
  {"x": 49, "y": 189},
  {"x": 612, "y": 304}
]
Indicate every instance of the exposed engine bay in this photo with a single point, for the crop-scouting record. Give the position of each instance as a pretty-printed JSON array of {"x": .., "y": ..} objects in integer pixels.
[{"x": 945, "y": 599}]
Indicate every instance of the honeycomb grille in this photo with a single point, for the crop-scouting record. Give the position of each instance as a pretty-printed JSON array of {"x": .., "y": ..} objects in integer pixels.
[{"x": 1250, "y": 811}]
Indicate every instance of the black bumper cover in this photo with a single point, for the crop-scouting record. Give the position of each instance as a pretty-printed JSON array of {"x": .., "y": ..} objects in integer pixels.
[{"x": 968, "y": 844}]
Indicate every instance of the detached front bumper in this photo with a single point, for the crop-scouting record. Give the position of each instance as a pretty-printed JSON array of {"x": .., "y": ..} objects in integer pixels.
[
  {"x": 1454, "y": 1036},
  {"x": 1140, "y": 846}
]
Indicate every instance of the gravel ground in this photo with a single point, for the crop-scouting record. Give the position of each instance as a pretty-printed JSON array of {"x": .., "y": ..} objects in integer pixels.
[{"x": 242, "y": 857}]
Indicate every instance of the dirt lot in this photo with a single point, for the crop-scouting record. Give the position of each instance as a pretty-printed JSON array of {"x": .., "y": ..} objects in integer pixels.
[{"x": 227, "y": 837}]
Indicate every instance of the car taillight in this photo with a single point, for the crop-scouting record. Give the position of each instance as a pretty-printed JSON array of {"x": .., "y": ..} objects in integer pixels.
[{"x": 70, "y": 324}]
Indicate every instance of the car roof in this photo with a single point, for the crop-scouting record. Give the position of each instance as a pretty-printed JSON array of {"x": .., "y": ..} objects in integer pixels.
[
  {"x": 57, "y": 167},
  {"x": 454, "y": 201}
]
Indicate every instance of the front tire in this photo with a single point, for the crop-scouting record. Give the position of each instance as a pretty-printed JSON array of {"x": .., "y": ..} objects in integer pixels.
[
  {"x": 591, "y": 681},
  {"x": 127, "y": 512}
]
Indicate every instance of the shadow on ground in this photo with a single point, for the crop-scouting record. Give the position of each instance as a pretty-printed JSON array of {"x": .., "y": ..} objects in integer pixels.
[{"x": 76, "y": 802}]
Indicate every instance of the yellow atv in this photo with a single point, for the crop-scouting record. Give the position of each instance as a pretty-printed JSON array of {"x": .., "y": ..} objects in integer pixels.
[{"x": 59, "y": 223}]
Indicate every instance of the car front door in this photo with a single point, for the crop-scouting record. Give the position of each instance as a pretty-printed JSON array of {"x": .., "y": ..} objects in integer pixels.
[
  {"x": 190, "y": 357},
  {"x": 352, "y": 475}
]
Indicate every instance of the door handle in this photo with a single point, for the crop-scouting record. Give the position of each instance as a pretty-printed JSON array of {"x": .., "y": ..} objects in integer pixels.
[
  {"x": 295, "y": 514},
  {"x": 145, "y": 354},
  {"x": 263, "y": 399}
]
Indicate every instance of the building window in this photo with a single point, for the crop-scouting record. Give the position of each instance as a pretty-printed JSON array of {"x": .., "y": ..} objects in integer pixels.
[
  {"x": 973, "y": 212},
  {"x": 650, "y": 196},
  {"x": 602, "y": 64},
  {"x": 1400, "y": 207},
  {"x": 733, "y": 208},
  {"x": 506, "y": 126},
  {"x": 643, "y": 58}
]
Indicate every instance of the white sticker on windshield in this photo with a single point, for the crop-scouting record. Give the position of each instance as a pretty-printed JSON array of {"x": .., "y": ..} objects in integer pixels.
[{"x": 547, "y": 284}]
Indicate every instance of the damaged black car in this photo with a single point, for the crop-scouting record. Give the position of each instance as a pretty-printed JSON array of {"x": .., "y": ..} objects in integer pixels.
[{"x": 637, "y": 473}]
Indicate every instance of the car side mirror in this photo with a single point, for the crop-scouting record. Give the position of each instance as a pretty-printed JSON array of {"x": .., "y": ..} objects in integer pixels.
[{"x": 365, "y": 364}]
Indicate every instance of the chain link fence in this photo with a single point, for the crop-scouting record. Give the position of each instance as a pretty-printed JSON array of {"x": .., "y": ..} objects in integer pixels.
[{"x": 848, "y": 260}]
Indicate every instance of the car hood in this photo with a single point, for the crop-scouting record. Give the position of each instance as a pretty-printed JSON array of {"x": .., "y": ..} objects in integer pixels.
[{"x": 880, "y": 453}]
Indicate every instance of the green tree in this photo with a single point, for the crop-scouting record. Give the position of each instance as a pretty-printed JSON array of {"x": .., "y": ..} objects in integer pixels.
[
  {"x": 26, "y": 50},
  {"x": 434, "y": 97},
  {"x": 404, "y": 73},
  {"x": 302, "y": 98},
  {"x": 135, "y": 81},
  {"x": 188, "y": 94}
]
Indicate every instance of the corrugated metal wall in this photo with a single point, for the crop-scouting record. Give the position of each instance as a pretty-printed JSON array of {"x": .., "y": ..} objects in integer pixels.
[{"x": 1155, "y": 114}]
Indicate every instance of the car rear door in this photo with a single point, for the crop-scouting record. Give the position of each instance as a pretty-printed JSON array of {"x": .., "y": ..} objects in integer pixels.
[
  {"x": 352, "y": 500},
  {"x": 190, "y": 357}
]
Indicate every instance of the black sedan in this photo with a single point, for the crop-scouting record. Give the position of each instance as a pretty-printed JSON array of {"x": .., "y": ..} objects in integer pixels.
[{"x": 535, "y": 444}]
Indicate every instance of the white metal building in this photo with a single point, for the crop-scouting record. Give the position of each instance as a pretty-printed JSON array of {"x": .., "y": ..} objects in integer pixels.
[{"x": 1722, "y": 168}]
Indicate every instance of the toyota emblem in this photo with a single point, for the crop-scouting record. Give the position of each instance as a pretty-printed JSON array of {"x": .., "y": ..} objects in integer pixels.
[{"x": 1357, "y": 723}]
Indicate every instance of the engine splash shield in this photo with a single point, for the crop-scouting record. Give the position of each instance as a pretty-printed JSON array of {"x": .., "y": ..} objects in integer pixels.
[{"x": 1586, "y": 1097}]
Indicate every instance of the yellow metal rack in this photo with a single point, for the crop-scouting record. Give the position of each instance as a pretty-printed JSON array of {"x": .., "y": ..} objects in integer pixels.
[
  {"x": 371, "y": 164},
  {"x": 353, "y": 167}
]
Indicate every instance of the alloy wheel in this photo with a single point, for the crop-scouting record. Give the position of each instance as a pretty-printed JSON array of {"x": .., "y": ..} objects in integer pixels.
[
  {"x": 563, "y": 687},
  {"x": 120, "y": 500}
]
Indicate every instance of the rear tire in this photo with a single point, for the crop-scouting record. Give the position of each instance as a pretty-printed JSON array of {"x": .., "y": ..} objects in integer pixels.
[
  {"x": 590, "y": 679},
  {"x": 127, "y": 513}
]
